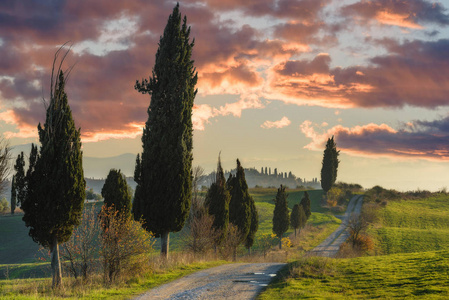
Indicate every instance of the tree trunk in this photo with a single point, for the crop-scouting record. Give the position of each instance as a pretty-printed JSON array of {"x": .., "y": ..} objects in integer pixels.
[
  {"x": 280, "y": 242},
  {"x": 56, "y": 265},
  {"x": 295, "y": 233},
  {"x": 165, "y": 242},
  {"x": 249, "y": 251}
]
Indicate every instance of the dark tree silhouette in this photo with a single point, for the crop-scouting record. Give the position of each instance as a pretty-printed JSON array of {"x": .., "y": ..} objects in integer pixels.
[
  {"x": 305, "y": 203},
  {"x": 329, "y": 165},
  {"x": 281, "y": 220},
  {"x": 116, "y": 194},
  {"x": 298, "y": 218}
]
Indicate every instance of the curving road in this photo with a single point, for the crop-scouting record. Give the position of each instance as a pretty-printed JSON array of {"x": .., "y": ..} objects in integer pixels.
[
  {"x": 330, "y": 246},
  {"x": 245, "y": 281},
  {"x": 233, "y": 281}
]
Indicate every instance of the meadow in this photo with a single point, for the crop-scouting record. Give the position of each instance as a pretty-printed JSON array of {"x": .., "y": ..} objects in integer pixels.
[
  {"x": 23, "y": 277},
  {"x": 413, "y": 237}
]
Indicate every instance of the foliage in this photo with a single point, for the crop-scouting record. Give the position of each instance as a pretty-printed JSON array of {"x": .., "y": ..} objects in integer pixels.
[
  {"x": 298, "y": 218},
  {"x": 13, "y": 195},
  {"x": 330, "y": 163},
  {"x": 240, "y": 204},
  {"x": 5, "y": 156},
  {"x": 165, "y": 187},
  {"x": 249, "y": 241},
  {"x": 305, "y": 203},
  {"x": 81, "y": 251},
  {"x": 231, "y": 242},
  {"x": 286, "y": 242},
  {"x": 53, "y": 207},
  {"x": 123, "y": 243},
  {"x": 20, "y": 184},
  {"x": 116, "y": 193},
  {"x": 333, "y": 196},
  {"x": 265, "y": 241},
  {"x": 281, "y": 220},
  {"x": 91, "y": 195},
  {"x": 217, "y": 203},
  {"x": 4, "y": 205},
  {"x": 202, "y": 235}
]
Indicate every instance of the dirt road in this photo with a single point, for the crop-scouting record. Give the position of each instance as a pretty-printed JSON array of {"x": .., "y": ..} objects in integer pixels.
[
  {"x": 330, "y": 246},
  {"x": 233, "y": 281}
]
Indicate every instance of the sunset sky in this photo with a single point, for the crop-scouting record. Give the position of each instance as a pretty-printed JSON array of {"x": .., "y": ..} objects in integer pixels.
[{"x": 276, "y": 79}]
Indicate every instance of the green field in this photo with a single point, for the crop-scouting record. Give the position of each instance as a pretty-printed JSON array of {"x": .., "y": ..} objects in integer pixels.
[
  {"x": 414, "y": 225},
  {"x": 412, "y": 275},
  {"x": 411, "y": 231}
]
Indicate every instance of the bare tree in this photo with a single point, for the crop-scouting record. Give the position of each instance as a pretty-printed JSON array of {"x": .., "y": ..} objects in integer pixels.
[
  {"x": 202, "y": 235},
  {"x": 5, "y": 168},
  {"x": 357, "y": 226}
]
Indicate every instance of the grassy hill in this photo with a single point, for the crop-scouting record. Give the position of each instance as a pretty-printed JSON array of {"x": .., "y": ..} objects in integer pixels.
[{"x": 410, "y": 230}]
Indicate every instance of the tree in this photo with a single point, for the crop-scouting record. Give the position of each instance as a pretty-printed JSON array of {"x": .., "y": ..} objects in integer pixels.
[
  {"x": 55, "y": 185},
  {"x": 249, "y": 241},
  {"x": 240, "y": 204},
  {"x": 305, "y": 203},
  {"x": 298, "y": 218},
  {"x": 116, "y": 193},
  {"x": 20, "y": 179},
  {"x": 5, "y": 155},
  {"x": 281, "y": 219},
  {"x": 165, "y": 187},
  {"x": 137, "y": 205},
  {"x": 217, "y": 203},
  {"x": 329, "y": 165},
  {"x": 13, "y": 195}
]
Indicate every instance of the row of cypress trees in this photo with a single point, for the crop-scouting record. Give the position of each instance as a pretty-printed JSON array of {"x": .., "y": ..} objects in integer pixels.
[{"x": 229, "y": 202}]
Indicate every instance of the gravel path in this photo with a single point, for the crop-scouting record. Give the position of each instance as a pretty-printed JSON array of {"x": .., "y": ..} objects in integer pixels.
[
  {"x": 233, "y": 281},
  {"x": 330, "y": 246}
]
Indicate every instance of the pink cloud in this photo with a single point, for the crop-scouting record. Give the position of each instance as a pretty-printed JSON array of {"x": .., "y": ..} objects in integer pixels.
[{"x": 284, "y": 122}]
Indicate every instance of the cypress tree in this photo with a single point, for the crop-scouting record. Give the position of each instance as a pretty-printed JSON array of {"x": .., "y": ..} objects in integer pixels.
[
  {"x": 240, "y": 204},
  {"x": 298, "y": 218},
  {"x": 217, "y": 201},
  {"x": 55, "y": 185},
  {"x": 165, "y": 188},
  {"x": 137, "y": 202},
  {"x": 20, "y": 180},
  {"x": 13, "y": 195},
  {"x": 281, "y": 220},
  {"x": 115, "y": 192},
  {"x": 305, "y": 203},
  {"x": 254, "y": 226},
  {"x": 329, "y": 165}
]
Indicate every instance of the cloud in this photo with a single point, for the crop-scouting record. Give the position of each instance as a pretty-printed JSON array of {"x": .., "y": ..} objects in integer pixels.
[
  {"x": 407, "y": 14},
  {"x": 416, "y": 140},
  {"x": 284, "y": 122}
]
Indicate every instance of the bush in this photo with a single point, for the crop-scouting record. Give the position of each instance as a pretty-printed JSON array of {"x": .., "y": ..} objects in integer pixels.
[
  {"x": 4, "y": 205},
  {"x": 333, "y": 196},
  {"x": 125, "y": 245},
  {"x": 201, "y": 235}
]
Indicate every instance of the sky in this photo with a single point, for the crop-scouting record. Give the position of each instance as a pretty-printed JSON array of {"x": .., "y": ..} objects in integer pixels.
[{"x": 277, "y": 78}]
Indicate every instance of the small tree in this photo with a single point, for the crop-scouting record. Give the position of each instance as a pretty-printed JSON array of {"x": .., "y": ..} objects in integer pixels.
[
  {"x": 305, "y": 203},
  {"x": 281, "y": 220},
  {"x": 13, "y": 195},
  {"x": 20, "y": 185},
  {"x": 217, "y": 203},
  {"x": 249, "y": 241},
  {"x": 202, "y": 235},
  {"x": 298, "y": 218},
  {"x": 231, "y": 242},
  {"x": 116, "y": 194},
  {"x": 329, "y": 165}
]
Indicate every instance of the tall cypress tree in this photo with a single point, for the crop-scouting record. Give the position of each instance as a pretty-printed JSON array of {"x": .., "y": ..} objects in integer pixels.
[
  {"x": 115, "y": 192},
  {"x": 137, "y": 202},
  {"x": 254, "y": 226},
  {"x": 55, "y": 185},
  {"x": 13, "y": 195},
  {"x": 329, "y": 165},
  {"x": 20, "y": 179},
  {"x": 165, "y": 187},
  {"x": 217, "y": 202},
  {"x": 305, "y": 203},
  {"x": 240, "y": 204},
  {"x": 281, "y": 220}
]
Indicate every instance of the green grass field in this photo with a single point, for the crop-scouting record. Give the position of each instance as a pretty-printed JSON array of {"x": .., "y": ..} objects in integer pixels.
[
  {"x": 411, "y": 231},
  {"x": 413, "y": 225},
  {"x": 412, "y": 275}
]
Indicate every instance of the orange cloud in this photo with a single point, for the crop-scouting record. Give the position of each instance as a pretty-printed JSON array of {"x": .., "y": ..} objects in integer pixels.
[
  {"x": 132, "y": 131},
  {"x": 401, "y": 20},
  {"x": 284, "y": 122}
]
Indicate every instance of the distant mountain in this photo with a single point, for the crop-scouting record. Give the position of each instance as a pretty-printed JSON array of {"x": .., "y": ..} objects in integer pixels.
[{"x": 98, "y": 167}]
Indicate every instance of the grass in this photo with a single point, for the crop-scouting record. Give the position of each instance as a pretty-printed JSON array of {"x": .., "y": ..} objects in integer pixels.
[
  {"x": 412, "y": 275},
  {"x": 41, "y": 288},
  {"x": 413, "y": 225}
]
